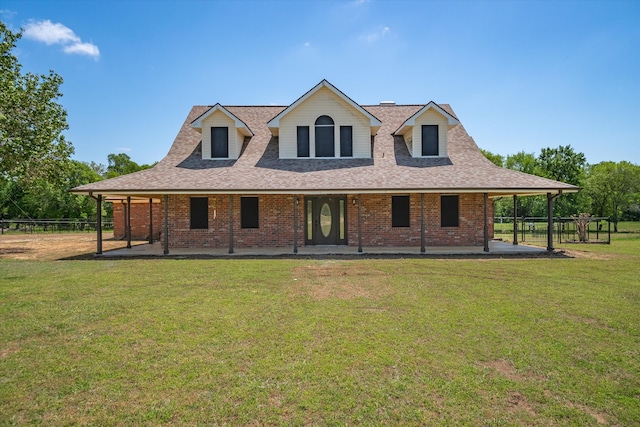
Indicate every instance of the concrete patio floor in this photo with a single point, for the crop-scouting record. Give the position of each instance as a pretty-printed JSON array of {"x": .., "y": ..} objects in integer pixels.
[{"x": 496, "y": 248}]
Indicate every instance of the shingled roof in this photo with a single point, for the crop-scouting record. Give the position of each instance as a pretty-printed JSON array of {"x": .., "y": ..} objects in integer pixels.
[{"x": 259, "y": 170}]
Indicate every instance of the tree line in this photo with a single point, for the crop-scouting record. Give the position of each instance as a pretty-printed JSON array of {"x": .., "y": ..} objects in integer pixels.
[
  {"x": 40, "y": 198},
  {"x": 609, "y": 189}
]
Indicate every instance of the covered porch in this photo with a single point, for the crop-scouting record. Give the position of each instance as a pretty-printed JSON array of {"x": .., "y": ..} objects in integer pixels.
[{"x": 298, "y": 245}]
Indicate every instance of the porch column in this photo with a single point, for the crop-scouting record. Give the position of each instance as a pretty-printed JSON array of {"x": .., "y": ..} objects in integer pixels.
[
  {"x": 128, "y": 222},
  {"x": 515, "y": 219},
  {"x": 99, "y": 224},
  {"x": 230, "y": 223},
  {"x": 359, "y": 223},
  {"x": 486, "y": 222},
  {"x": 422, "y": 227},
  {"x": 295, "y": 223},
  {"x": 150, "y": 221},
  {"x": 166, "y": 225},
  {"x": 549, "y": 222}
]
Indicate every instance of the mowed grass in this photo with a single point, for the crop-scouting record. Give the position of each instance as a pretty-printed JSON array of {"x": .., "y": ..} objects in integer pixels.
[{"x": 543, "y": 341}]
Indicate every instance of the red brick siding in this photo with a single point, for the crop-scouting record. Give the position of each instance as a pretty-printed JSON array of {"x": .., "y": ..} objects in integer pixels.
[
  {"x": 139, "y": 220},
  {"x": 276, "y": 222},
  {"x": 275, "y": 216},
  {"x": 377, "y": 229}
]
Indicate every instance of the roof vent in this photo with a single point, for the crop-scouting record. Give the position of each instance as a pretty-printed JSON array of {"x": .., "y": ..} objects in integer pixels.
[{"x": 387, "y": 103}]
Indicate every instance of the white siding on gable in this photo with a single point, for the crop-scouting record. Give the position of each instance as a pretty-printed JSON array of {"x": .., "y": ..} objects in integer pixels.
[
  {"x": 324, "y": 102},
  {"x": 429, "y": 117},
  {"x": 219, "y": 119},
  {"x": 235, "y": 147}
]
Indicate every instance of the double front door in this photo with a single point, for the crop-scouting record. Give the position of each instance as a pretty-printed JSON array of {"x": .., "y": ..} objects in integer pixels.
[{"x": 326, "y": 220}]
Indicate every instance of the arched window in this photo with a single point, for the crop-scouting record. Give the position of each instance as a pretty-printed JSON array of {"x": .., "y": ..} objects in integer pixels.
[{"x": 325, "y": 137}]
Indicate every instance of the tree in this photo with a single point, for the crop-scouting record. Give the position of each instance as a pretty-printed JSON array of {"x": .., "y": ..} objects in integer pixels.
[
  {"x": 527, "y": 206},
  {"x": 496, "y": 159},
  {"x": 121, "y": 164},
  {"x": 32, "y": 144},
  {"x": 596, "y": 188},
  {"x": 564, "y": 164},
  {"x": 523, "y": 162},
  {"x": 39, "y": 198}
]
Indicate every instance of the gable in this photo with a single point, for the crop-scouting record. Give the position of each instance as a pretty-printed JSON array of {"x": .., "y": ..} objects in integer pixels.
[
  {"x": 218, "y": 113},
  {"x": 235, "y": 130},
  {"x": 324, "y": 85},
  {"x": 413, "y": 131},
  {"x": 431, "y": 109},
  {"x": 324, "y": 103}
]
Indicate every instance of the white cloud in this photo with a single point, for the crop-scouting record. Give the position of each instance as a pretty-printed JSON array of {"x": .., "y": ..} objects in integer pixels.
[
  {"x": 374, "y": 36},
  {"x": 50, "y": 33},
  {"x": 307, "y": 44},
  {"x": 83, "y": 49}
]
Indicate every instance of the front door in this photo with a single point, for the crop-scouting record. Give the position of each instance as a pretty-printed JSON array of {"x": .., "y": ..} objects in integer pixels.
[{"x": 325, "y": 220}]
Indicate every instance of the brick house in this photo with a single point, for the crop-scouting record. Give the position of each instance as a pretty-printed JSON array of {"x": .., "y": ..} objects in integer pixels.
[{"x": 321, "y": 171}]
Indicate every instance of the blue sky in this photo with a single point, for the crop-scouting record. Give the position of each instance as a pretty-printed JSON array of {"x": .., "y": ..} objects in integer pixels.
[{"x": 520, "y": 75}]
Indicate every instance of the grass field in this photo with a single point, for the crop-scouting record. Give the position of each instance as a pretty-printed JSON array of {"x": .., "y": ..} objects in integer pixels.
[{"x": 544, "y": 341}]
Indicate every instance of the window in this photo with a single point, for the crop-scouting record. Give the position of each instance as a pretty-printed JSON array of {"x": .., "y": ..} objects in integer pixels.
[
  {"x": 448, "y": 211},
  {"x": 325, "y": 137},
  {"x": 249, "y": 212},
  {"x": 199, "y": 213},
  {"x": 346, "y": 141},
  {"x": 400, "y": 211},
  {"x": 303, "y": 141},
  {"x": 430, "y": 140},
  {"x": 220, "y": 142}
]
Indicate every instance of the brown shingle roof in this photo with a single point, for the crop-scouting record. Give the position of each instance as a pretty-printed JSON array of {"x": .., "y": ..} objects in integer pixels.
[{"x": 258, "y": 169}]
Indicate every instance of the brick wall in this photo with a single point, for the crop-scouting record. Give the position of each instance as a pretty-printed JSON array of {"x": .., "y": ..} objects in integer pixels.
[
  {"x": 139, "y": 220},
  {"x": 377, "y": 229},
  {"x": 276, "y": 222}
]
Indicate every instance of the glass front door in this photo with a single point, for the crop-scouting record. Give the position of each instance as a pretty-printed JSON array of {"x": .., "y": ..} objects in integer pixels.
[{"x": 325, "y": 220}]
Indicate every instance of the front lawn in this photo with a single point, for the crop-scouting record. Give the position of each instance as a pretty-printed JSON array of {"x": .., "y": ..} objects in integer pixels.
[{"x": 544, "y": 341}]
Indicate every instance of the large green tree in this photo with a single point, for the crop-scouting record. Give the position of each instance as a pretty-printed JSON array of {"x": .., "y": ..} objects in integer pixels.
[
  {"x": 566, "y": 165},
  {"x": 32, "y": 144}
]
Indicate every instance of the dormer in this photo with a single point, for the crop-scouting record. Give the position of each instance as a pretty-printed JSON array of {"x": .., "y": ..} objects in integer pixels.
[
  {"x": 222, "y": 133},
  {"x": 425, "y": 133},
  {"x": 324, "y": 123}
]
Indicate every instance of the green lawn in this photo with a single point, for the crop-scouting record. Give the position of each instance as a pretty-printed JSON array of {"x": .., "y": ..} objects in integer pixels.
[{"x": 544, "y": 341}]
